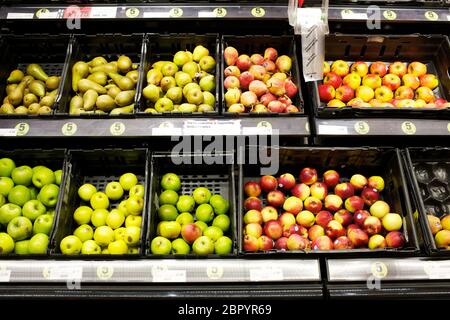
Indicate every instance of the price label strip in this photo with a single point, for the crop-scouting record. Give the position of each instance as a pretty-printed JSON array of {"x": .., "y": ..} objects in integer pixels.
[
  {"x": 63, "y": 273},
  {"x": 214, "y": 272},
  {"x": 266, "y": 274},
  {"x": 437, "y": 269},
  {"x": 211, "y": 127},
  {"x": 216, "y": 13},
  {"x": 332, "y": 129},
  {"x": 169, "y": 275},
  {"x": 166, "y": 129},
  {"x": 5, "y": 275},
  {"x": 262, "y": 128},
  {"x": 8, "y": 132},
  {"x": 348, "y": 14}
]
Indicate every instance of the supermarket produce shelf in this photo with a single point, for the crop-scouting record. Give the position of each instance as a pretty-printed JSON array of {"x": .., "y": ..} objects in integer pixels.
[{"x": 155, "y": 127}]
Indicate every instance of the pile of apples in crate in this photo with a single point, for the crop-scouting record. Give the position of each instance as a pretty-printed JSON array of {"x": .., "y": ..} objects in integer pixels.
[
  {"x": 283, "y": 214},
  {"x": 398, "y": 85}
]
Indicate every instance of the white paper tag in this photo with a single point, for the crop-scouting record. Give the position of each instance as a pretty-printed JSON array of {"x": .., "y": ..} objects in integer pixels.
[
  {"x": 19, "y": 15},
  {"x": 448, "y": 17},
  {"x": 206, "y": 14},
  {"x": 65, "y": 273},
  {"x": 156, "y": 14},
  {"x": 266, "y": 274},
  {"x": 103, "y": 12},
  {"x": 437, "y": 269},
  {"x": 167, "y": 132},
  {"x": 5, "y": 275},
  {"x": 252, "y": 131},
  {"x": 327, "y": 129},
  {"x": 9, "y": 132},
  {"x": 354, "y": 16},
  {"x": 169, "y": 276},
  {"x": 211, "y": 127}
]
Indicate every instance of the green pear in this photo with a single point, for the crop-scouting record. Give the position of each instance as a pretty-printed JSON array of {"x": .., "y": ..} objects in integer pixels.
[
  {"x": 190, "y": 86},
  {"x": 209, "y": 99},
  {"x": 169, "y": 69},
  {"x": 125, "y": 98},
  {"x": 150, "y": 110},
  {"x": 167, "y": 83},
  {"x": 10, "y": 88},
  {"x": 124, "y": 83},
  {"x": 187, "y": 107},
  {"x": 191, "y": 68},
  {"x": 133, "y": 75},
  {"x": 52, "y": 83},
  {"x": 21, "y": 110},
  {"x": 36, "y": 72},
  {"x": 205, "y": 108},
  {"x": 175, "y": 94},
  {"x": 199, "y": 52},
  {"x": 158, "y": 65},
  {"x": 195, "y": 96},
  {"x": 7, "y": 108},
  {"x": 113, "y": 91},
  {"x": 107, "y": 68},
  {"x": 182, "y": 78},
  {"x": 16, "y": 96},
  {"x": 127, "y": 109},
  {"x": 15, "y": 76},
  {"x": 154, "y": 76},
  {"x": 105, "y": 103},
  {"x": 99, "y": 77},
  {"x": 85, "y": 85},
  {"x": 124, "y": 64},
  {"x": 151, "y": 92},
  {"x": 208, "y": 83},
  {"x": 29, "y": 99},
  {"x": 33, "y": 108},
  {"x": 37, "y": 87},
  {"x": 76, "y": 103},
  {"x": 207, "y": 64},
  {"x": 164, "y": 105},
  {"x": 89, "y": 99},
  {"x": 47, "y": 101},
  {"x": 97, "y": 61},
  {"x": 80, "y": 70},
  {"x": 181, "y": 57}
]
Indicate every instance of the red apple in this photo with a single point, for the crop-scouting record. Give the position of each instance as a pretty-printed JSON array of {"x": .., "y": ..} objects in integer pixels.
[
  {"x": 295, "y": 228},
  {"x": 190, "y": 232},
  {"x": 301, "y": 191},
  {"x": 232, "y": 71},
  {"x": 271, "y": 54},
  {"x": 269, "y": 213},
  {"x": 291, "y": 88},
  {"x": 245, "y": 78},
  {"x": 322, "y": 243},
  {"x": 276, "y": 106},
  {"x": 315, "y": 231},
  {"x": 253, "y": 203},
  {"x": 258, "y": 87},
  {"x": 376, "y": 182},
  {"x": 392, "y": 81},
  {"x": 305, "y": 218},
  {"x": 398, "y": 68},
  {"x": 395, "y": 239},
  {"x": 358, "y": 237},
  {"x": 273, "y": 229},
  {"x": 378, "y": 68},
  {"x": 281, "y": 244},
  {"x": 308, "y": 176},
  {"x": 313, "y": 204},
  {"x": 257, "y": 59},
  {"x": 253, "y": 229},
  {"x": 334, "y": 229},
  {"x": 286, "y": 219},
  {"x": 252, "y": 189},
  {"x": 286, "y": 181},
  {"x": 258, "y": 72},
  {"x": 370, "y": 196},
  {"x": 372, "y": 225},
  {"x": 231, "y": 55},
  {"x": 326, "y": 92},
  {"x": 293, "y": 205},
  {"x": 377, "y": 241},
  {"x": 268, "y": 183},
  {"x": 354, "y": 203},
  {"x": 251, "y": 243},
  {"x": 360, "y": 68},
  {"x": 297, "y": 242},
  {"x": 323, "y": 218},
  {"x": 253, "y": 216},
  {"x": 231, "y": 82},
  {"x": 344, "y": 217},
  {"x": 265, "y": 99},
  {"x": 265, "y": 243},
  {"x": 344, "y": 93},
  {"x": 331, "y": 178},
  {"x": 319, "y": 190},
  {"x": 358, "y": 181},
  {"x": 342, "y": 243},
  {"x": 285, "y": 100},
  {"x": 360, "y": 216},
  {"x": 243, "y": 62},
  {"x": 332, "y": 79},
  {"x": 340, "y": 67},
  {"x": 344, "y": 190},
  {"x": 333, "y": 202},
  {"x": 269, "y": 65},
  {"x": 275, "y": 198}
]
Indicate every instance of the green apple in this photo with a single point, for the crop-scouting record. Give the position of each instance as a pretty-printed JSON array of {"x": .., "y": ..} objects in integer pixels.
[
  {"x": 90, "y": 247},
  {"x": 118, "y": 247},
  {"x": 207, "y": 64},
  {"x": 189, "y": 87},
  {"x": 114, "y": 190},
  {"x": 134, "y": 205},
  {"x": 208, "y": 83},
  {"x": 199, "y": 52},
  {"x": 6, "y": 184},
  {"x": 98, "y": 217},
  {"x": 49, "y": 195},
  {"x": 58, "y": 176},
  {"x": 179, "y": 246},
  {"x": 167, "y": 83},
  {"x": 128, "y": 180},
  {"x": 201, "y": 225},
  {"x": 185, "y": 203},
  {"x": 160, "y": 245},
  {"x": 105, "y": 251},
  {"x": 8, "y": 212},
  {"x": 7, "y": 243},
  {"x": 82, "y": 215},
  {"x": 33, "y": 192},
  {"x": 169, "y": 69},
  {"x": 152, "y": 93},
  {"x": 203, "y": 245},
  {"x": 2, "y": 200},
  {"x": 20, "y": 228},
  {"x": 167, "y": 212},
  {"x": 122, "y": 207},
  {"x": 119, "y": 233},
  {"x": 84, "y": 232},
  {"x": 21, "y": 247},
  {"x": 135, "y": 221},
  {"x": 168, "y": 197},
  {"x": 43, "y": 224},
  {"x": 201, "y": 195},
  {"x": 213, "y": 233},
  {"x": 22, "y": 175},
  {"x": 86, "y": 191},
  {"x": 181, "y": 57},
  {"x": 170, "y": 181},
  {"x": 99, "y": 200},
  {"x": 175, "y": 94},
  {"x": 70, "y": 245},
  {"x": 33, "y": 209},
  {"x": 222, "y": 221},
  {"x": 194, "y": 96},
  {"x": 42, "y": 177},
  {"x": 191, "y": 68},
  {"x": 37, "y": 168},
  {"x": 115, "y": 219},
  {"x": 182, "y": 78},
  {"x": 170, "y": 229},
  {"x": 7, "y": 165},
  {"x": 104, "y": 235},
  {"x": 209, "y": 99},
  {"x": 132, "y": 235},
  {"x": 38, "y": 244},
  {"x": 133, "y": 250},
  {"x": 164, "y": 105},
  {"x": 185, "y": 218},
  {"x": 19, "y": 195},
  {"x": 219, "y": 204},
  {"x": 204, "y": 213},
  {"x": 223, "y": 245},
  {"x": 137, "y": 190}
]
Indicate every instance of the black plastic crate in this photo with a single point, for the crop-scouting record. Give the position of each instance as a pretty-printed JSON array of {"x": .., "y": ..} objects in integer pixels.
[
  {"x": 18, "y": 51},
  {"x": 163, "y": 47},
  {"x": 428, "y": 171},
  {"x": 110, "y": 46},
  {"x": 218, "y": 178},
  {"x": 432, "y": 50},
  {"x": 346, "y": 161},
  {"x": 98, "y": 167},
  {"x": 54, "y": 159},
  {"x": 285, "y": 45}
]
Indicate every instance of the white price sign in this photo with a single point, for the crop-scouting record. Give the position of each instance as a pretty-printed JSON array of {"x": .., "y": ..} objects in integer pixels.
[
  {"x": 266, "y": 274},
  {"x": 169, "y": 276}
]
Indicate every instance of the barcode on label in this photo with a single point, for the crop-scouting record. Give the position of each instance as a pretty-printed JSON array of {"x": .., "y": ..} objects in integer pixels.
[
  {"x": 169, "y": 276},
  {"x": 266, "y": 274},
  {"x": 65, "y": 273},
  {"x": 327, "y": 129}
]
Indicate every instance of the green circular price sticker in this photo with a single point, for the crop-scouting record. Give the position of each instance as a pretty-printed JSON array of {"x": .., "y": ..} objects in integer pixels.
[
  {"x": 132, "y": 12},
  {"x": 105, "y": 272},
  {"x": 46, "y": 272},
  {"x": 431, "y": 15},
  {"x": 346, "y": 12},
  {"x": 362, "y": 127},
  {"x": 258, "y": 12},
  {"x": 176, "y": 12},
  {"x": 214, "y": 272},
  {"x": 117, "y": 129},
  {"x": 220, "y": 12},
  {"x": 389, "y": 15},
  {"x": 69, "y": 129},
  {"x": 379, "y": 270},
  {"x": 264, "y": 124},
  {"x": 41, "y": 11},
  {"x": 408, "y": 127},
  {"x": 22, "y": 129}
]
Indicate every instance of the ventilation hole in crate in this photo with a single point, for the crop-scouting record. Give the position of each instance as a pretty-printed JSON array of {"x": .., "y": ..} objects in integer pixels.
[
  {"x": 347, "y": 50},
  {"x": 382, "y": 50},
  {"x": 363, "y": 51},
  {"x": 52, "y": 69},
  {"x": 397, "y": 51}
]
